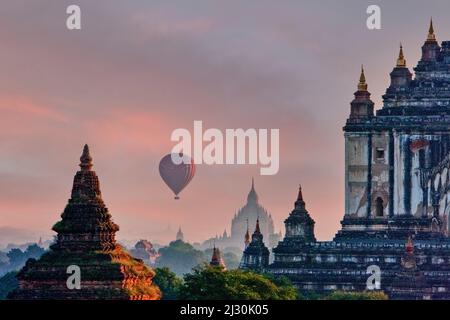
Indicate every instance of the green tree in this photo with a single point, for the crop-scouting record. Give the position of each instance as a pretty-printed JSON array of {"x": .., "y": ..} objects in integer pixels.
[
  {"x": 16, "y": 258},
  {"x": 180, "y": 257},
  {"x": 213, "y": 283},
  {"x": 362, "y": 295},
  {"x": 34, "y": 251},
  {"x": 8, "y": 283},
  {"x": 168, "y": 283}
]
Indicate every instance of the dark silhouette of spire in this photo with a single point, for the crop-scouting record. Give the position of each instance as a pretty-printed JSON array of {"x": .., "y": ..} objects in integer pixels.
[
  {"x": 300, "y": 203},
  {"x": 247, "y": 236},
  {"x": 257, "y": 228},
  {"x": 86, "y": 159},
  {"x": 216, "y": 259}
]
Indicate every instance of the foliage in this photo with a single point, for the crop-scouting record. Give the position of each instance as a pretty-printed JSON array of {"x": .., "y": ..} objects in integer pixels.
[
  {"x": 7, "y": 284},
  {"x": 168, "y": 282},
  {"x": 16, "y": 258},
  {"x": 213, "y": 283},
  {"x": 180, "y": 257},
  {"x": 363, "y": 295}
]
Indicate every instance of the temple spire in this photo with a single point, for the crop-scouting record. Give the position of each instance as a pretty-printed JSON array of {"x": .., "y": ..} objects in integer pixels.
[
  {"x": 247, "y": 236},
  {"x": 86, "y": 159},
  {"x": 362, "y": 85},
  {"x": 431, "y": 36},
  {"x": 252, "y": 195},
  {"x": 216, "y": 259},
  {"x": 257, "y": 228},
  {"x": 300, "y": 203},
  {"x": 300, "y": 195},
  {"x": 401, "y": 61}
]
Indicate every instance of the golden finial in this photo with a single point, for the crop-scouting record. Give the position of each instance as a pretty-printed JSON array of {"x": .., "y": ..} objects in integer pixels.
[
  {"x": 431, "y": 35},
  {"x": 362, "y": 85},
  {"x": 401, "y": 61}
]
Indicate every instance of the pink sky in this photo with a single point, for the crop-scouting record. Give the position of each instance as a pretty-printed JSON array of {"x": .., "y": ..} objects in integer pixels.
[{"x": 140, "y": 69}]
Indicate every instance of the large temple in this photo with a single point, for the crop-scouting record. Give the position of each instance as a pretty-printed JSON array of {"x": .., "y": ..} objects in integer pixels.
[
  {"x": 246, "y": 217},
  {"x": 397, "y": 191},
  {"x": 86, "y": 242}
]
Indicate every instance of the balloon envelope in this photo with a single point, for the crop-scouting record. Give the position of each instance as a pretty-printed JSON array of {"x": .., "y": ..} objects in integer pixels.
[{"x": 176, "y": 176}]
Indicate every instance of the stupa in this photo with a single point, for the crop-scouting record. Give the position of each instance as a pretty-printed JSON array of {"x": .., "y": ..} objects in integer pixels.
[{"x": 86, "y": 239}]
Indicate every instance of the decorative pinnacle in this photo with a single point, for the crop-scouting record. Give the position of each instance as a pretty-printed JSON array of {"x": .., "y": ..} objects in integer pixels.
[
  {"x": 362, "y": 85},
  {"x": 247, "y": 236},
  {"x": 300, "y": 195},
  {"x": 409, "y": 245},
  {"x": 257, "y": 229},
  {"x": 86, "y": 159},
  {"x": 431, "y": 35},
  {"x": 401, "y": 61}
]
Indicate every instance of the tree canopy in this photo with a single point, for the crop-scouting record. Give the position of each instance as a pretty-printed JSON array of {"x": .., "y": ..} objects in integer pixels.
[
  {"x": 7, "y": 284},
  {"x": 168, "y": 283},
  {"x": 213, "y": 283},
  {"x": 180, "y": 257}
]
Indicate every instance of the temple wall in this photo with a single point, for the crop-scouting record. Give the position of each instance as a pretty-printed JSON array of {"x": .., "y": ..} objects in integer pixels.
[
  {"x": 380, "y": 174},
  {"x": 356, "y": 155}
]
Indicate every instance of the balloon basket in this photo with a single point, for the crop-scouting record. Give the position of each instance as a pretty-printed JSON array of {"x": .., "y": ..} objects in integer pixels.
[{"x": 177, "y": 198}]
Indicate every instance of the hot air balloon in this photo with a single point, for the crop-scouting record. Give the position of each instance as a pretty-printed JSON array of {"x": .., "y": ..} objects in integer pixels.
[{"x": 176, "y": 176}]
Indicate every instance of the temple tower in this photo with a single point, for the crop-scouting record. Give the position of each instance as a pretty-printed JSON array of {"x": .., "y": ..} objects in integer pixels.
[
  {"x": 86, "y": 241},
  {"x": 256, "y": 255},
  {"x": 394, "y": 159},
  {"x": 247, "y": 237},
  {"x": 299, "y": 225},
  {"x": 216, "y": 259}
]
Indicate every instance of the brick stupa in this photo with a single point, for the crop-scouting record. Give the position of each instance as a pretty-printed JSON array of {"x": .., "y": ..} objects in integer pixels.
[{"x": 86, "y": 238}]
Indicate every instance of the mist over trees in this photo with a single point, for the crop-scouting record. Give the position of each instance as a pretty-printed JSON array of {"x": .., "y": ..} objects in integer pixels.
[
  {"x": 181, "y": 257},
  {"x": 11, "y": 262},
  {"x": 15, "y": 258}
]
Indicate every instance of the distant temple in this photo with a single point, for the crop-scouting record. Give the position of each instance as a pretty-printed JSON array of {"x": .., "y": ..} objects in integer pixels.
[
  {"x": 145, "y": 251},
  {"x": 86, "y": 240},
  {"x": 180, "y": 235},
  {"x": 245, "y": 217},
  {"x": 397, "y": 187},
  {"x": 216, "y": 259}
]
